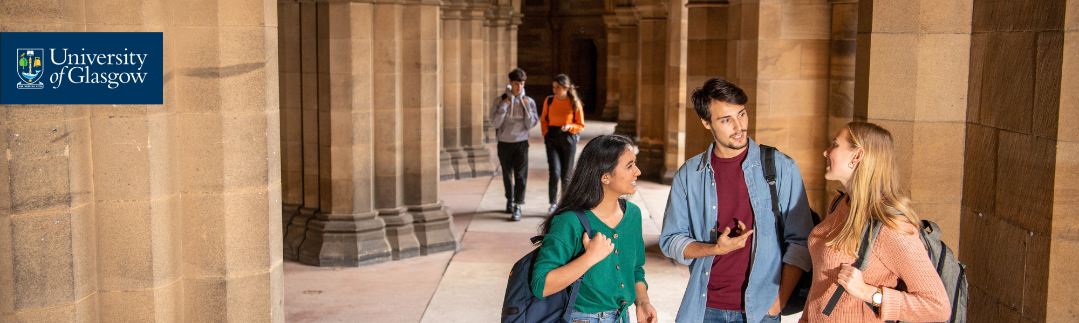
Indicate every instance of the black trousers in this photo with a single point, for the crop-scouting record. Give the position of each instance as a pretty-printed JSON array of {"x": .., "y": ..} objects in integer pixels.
[
  {"x": 561, "y": 150},
  {"x": 513, "y": 156}
]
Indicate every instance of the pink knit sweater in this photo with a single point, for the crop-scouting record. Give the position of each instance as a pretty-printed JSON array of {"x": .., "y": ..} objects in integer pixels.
[{"x": 895, "y": 256}]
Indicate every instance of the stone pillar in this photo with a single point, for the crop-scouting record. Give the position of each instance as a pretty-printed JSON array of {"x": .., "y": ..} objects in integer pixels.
[
  {"x": 309, "y": 102},
  {"x": 912, "y": 71},
  {"x": 628, "y": 69},
  {"x": 1018, "y": 190},
  {"x": 1064, "y": 249},
  {"x": 388, "y": 94},
  {"x": 674, "y": 153},
  {"x": 454, "y": 165},
  {"x": 497, "y": 67},
  {"x": 841, "y": 74},
  {"x": 512, "y": 25},
  {"x": 474, "y": 105},
  {"x": 292, "y": 194},
  {"x": 420, "y": 76},
  {"x": 652, "y": 89},
  {"x": 706, "y": 57},
  {"x": 346, "y": 231},
  {"x": 781, "y": 62},
  {"x": 614, "y": 48}
]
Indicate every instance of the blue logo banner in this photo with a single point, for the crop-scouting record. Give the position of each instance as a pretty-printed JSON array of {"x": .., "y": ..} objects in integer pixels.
[{"x": 81, "y": 68}]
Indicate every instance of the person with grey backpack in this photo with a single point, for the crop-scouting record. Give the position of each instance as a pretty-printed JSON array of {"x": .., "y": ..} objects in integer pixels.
[{"x": 870, "y": 262}]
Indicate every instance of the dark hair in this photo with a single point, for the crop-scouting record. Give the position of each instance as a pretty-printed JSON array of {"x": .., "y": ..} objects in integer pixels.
[
  {"x": 518, "y": 75},
  {"x": 584, "y": 191},
  {"x": 563, "y": 80},
  {"x": 716, "y": 89}
]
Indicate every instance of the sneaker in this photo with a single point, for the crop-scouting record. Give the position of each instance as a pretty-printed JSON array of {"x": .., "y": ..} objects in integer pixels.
[
  {"x": 516, "y": 213},
  {"x": 553, "y": 207}
]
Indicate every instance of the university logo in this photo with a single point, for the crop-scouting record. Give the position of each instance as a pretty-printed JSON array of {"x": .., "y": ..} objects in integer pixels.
[{"x": 30, "y": 68}]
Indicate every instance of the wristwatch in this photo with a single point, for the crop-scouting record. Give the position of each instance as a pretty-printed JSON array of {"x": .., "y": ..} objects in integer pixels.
[{"x": 878, "y": 297}]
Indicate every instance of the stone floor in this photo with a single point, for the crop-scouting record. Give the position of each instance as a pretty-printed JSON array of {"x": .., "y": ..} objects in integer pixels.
[{"x": 468, "y": 286}]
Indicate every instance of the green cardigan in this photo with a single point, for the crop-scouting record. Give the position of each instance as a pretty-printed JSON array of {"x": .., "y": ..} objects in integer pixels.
[{"x": 609, "y": 284}]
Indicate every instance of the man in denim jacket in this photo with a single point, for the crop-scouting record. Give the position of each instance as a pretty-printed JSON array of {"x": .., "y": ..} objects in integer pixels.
[{"x": 719, "y": 220}]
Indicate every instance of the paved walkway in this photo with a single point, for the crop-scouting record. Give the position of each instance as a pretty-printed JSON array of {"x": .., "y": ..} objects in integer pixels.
[{"x": 468, "y": 286}]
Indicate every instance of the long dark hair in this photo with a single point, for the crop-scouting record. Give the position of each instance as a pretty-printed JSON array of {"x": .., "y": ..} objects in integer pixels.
[
  {"x": 585, "y": 191},
  {"x": 563, "y": 80}
]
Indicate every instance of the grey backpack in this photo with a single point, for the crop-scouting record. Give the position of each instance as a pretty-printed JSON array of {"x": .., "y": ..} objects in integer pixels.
[{"x": 952, "y": 272}]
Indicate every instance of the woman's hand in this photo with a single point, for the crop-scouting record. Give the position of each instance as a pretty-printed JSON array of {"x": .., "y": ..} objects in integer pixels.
[
  {"x": 851, "y": 279},
  {"x": 565, "y": 128},
  {"x": 597, "y": 248},
  {"x": 646, "y": 313}
]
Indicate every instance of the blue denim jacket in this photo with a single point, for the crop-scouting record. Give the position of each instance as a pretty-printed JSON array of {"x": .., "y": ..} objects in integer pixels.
[{"x": 691, "y": 216}]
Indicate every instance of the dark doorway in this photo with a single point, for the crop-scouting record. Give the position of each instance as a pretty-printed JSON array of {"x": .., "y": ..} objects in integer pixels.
[{"x": 583, "y": 72}]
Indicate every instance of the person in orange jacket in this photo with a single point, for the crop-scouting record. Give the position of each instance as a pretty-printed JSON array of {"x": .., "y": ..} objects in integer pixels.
[{"x": 562, "y": 121}]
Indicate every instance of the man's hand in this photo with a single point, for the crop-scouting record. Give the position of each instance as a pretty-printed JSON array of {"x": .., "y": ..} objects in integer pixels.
[{"x": 726, "y": 244}]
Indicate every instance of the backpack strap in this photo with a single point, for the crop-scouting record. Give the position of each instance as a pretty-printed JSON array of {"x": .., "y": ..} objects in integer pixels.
[
  {"x": 869, "y": 235},
  {"x": 835, "y": 203},
  {"x": 546, "y": 107},
  {"x": 584, "y": 222},
  {"x": 768, "y": 155}
]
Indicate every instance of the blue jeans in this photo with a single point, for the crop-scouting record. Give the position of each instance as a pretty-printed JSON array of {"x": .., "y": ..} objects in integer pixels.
[
  {"x": 601, "y": 317},
  {"x": 712, "y": 315}
]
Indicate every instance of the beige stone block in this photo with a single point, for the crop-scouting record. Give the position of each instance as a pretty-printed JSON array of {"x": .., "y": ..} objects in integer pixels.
[
  {"x": 126, "y": 261},
  {"x": 248, "y": 297},
  {"x": 799, "y": 98},
  {"x": 1062, "y": 284},
  {"x": 63, "y": 313},
  {"x": 937, "y": 175},
  {"x": 83, "y": 250},
  {"x": 86, "y": 309},
  {"x": 121, "y": 158},
  {"x": 205, "y": 299},
  {"x": 247, "y": 229},
  {"x": 778, "y": 59},
  {"x": 772, "y": 131},
  {"x": 815, "y": 59},
  {"x": 747, "y": 60},
  {"x": 946, "y": 216},
  {"x": 811, "y": 164},
  {"x": 943, "y": 70},
  {"x": 841, "y": 100},
  {"x": 1066, "y": 191},
  {"x": 980, "y": 168},
  {"x": 1035, "y": 287},
  {"x": 997, "y": 268},
  {"x": 903, "y": 141},
  {"x": 771, "y": 20},
  {"x": 127, "y": 306},
  {"x": 200, "y": 152},
  {"x": 895, "y": 17},
  {"x": 243, "y": 136},
  {"x": 44, "y": 268},
  {"x": 893, "y": 76},
  {"x": 952, "y": 17},
  {"x": 1024, "y": 176},
  {"x": 844, "y": 21},
  {"x": 204, "y": 248},
  {"x": 842, "y": 56},
  {"x": 809, "y": 133},
  {"x": 1007, "y": 81},
  {"x": 806, "y": 21},
  {"x": 749, "y": 18},
  {"x": 132, "y": 14}
]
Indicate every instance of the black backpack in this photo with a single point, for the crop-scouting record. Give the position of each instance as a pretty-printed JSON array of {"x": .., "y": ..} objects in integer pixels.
[
  {"x": 797, "y": 300},
  {"x": 952, "y": 272},
  {"x": 520, "y": 306}
]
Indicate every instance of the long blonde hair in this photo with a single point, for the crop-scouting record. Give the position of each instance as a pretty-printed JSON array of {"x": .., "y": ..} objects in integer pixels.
[{"x": 875, "y": 192}]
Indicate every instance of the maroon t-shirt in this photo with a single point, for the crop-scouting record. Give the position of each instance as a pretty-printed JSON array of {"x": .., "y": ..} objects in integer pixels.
[{"x": 726, "y": 282}]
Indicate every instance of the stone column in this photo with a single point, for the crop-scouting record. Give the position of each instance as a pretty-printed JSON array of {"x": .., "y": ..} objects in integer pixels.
[
  {"x": 1062, "y": 285},
  {"x": 497, "y": 63},
  {"x": 511, "y": 38},
  {"x": 912, "y": 70},
  {"x": 292, "y": 194},
  {"x": 629, "y": 35},
  {"x": 782, "y": 64},
  {"x": 1018, "y": 190},
  {"x": 474, "y": 105},
  {"x": 652, "y": 89},
  {"x": 388, "y": 94},
  {"x": 674, "y": 153},
  {"x": 706, "y": 57},
  {"x": 454, "y": 165},
  {"x": 346, "y": 231},
  {"x": 614, "y": 48},
  {"x": 309, "y": 102},
  {"x": 841, "y": 74},
  {"x": 420, "y": 77}
]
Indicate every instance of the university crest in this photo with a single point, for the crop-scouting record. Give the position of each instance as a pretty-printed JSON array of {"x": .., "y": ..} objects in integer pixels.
[{"x": 30, "y": 68}]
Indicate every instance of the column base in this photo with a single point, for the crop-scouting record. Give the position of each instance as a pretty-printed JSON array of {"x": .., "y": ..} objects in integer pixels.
[
  {"x": 668, "y": 176},
  {"x": 459, "y": 160},
  {"x": 488, "y": 132},
  {"x": 345, "y": 241},
  {"x": 627, "y": 128},
  {"x": 287, "y": 212},
  {"x": 650, "y": 159},
  {"x": 610, "y": 113},
  {"x": 479, "y": 159},
  {"x": 434, "y": 228},
  {"x": 399, "y": 233},
  {"x": 297, "y": 232},
  {"x": 445, "y": 167}
]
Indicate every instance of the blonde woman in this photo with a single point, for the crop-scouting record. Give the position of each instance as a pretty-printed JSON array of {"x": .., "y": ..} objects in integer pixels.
[{"x": 862, "y": 157}]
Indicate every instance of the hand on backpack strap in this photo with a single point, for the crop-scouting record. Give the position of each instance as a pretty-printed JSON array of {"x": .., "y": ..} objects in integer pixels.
[
  {"x": 597, "y": 248},
  {"x": 851, "y": 279}
]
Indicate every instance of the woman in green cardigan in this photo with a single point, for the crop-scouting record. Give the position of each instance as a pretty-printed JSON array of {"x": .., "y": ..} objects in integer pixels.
[{"x": 612, "y": 260}]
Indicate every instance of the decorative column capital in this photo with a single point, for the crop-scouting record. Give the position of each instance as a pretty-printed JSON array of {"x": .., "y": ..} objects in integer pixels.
[
  {"x": 627, "y": 16},
  {"x": 707, "y": 3},
  {"x": 611, "y": 20}
]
